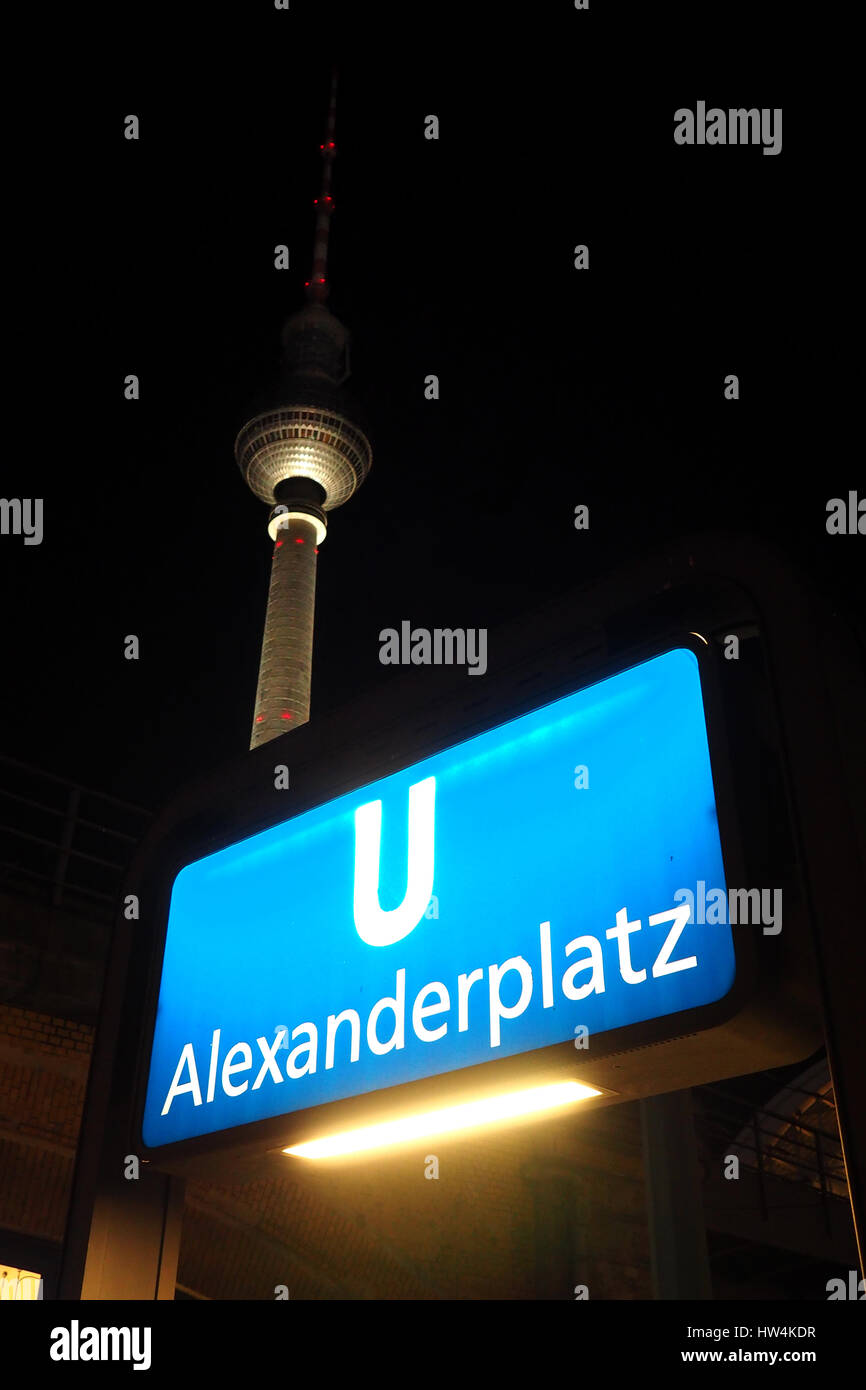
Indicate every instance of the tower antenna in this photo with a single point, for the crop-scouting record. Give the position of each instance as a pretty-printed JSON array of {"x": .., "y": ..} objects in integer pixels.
[{"x": 317, "y": 288}]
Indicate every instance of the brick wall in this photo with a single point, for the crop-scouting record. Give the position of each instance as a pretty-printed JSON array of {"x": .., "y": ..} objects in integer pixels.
[{"x": 43, "y": 1073}]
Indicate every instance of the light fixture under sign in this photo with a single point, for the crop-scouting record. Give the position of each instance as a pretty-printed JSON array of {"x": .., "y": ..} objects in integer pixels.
[{"x": 447, "y": 1120}]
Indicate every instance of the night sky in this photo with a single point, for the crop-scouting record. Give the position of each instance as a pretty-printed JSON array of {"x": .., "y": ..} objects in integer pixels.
[{"x": 454, "y": 257}]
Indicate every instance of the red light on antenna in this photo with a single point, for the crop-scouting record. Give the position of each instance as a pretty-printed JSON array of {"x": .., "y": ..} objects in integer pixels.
[
  {"x": 317, "y": 549},
  {"x": 299, "y": 540},
  {"x": 278, "y": 544},
  {"x": 284, "y": 714},
  {"x": 259, "y": 718}
]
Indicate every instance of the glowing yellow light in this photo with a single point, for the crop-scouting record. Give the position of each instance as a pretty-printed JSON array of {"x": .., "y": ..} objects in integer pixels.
[
  {"x": 19, "y": 1285},
  {"x": 281, "y": 521},
  {"x": 454, "y": 1117}
]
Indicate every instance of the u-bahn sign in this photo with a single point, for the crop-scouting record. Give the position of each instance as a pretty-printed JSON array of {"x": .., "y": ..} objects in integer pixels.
[{"x": 526, "y": 893}]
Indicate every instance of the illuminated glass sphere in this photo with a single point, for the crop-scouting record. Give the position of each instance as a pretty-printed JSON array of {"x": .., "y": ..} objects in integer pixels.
[{"x": 303, "y": 441}]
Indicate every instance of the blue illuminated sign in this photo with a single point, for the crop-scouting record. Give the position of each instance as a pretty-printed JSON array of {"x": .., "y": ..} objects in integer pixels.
[{"x": 487, "y": 901}]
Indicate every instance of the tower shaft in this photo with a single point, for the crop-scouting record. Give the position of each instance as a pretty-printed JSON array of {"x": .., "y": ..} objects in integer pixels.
[{"x": 283, "y": 692}]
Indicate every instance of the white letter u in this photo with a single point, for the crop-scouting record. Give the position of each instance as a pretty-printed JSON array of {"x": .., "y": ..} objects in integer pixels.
[{"x": 375, "y": 926}]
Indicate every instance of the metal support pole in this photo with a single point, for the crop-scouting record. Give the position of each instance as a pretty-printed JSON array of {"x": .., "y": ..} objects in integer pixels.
[
  {"x": 759, "y": 1159},
  {"x": 123, "y": 1230},
  {"x": 678, "y": 1238},
  {"x": 825, "y": 1205}
]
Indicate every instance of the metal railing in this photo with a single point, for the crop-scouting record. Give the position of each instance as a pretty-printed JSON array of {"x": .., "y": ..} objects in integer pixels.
[{"x": 776, "y": 1145}]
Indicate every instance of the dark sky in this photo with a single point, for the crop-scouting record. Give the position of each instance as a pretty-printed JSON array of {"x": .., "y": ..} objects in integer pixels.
[{"x": 558, "y": 387}]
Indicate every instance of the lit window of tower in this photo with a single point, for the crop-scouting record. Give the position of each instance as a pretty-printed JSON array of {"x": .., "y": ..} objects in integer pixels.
[{"x": 304, "y": 455}]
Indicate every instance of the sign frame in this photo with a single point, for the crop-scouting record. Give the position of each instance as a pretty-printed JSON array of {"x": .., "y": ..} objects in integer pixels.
[{"x": 316, "y": 779}]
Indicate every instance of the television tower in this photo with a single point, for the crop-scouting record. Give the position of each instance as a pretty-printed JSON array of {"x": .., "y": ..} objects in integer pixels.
[{"x": 303, "y": 456}]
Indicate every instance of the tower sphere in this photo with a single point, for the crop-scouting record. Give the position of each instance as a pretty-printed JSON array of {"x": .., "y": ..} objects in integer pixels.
[{"x": 306, "y": 440}]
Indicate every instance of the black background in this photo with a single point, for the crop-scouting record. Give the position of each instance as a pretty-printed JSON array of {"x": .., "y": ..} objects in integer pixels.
[{"x": 455, "y": 257}]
